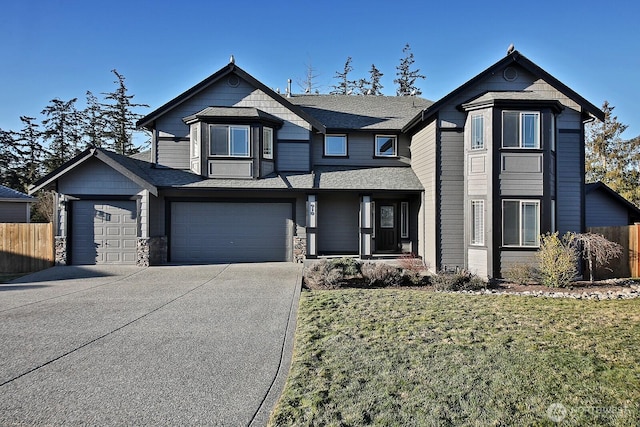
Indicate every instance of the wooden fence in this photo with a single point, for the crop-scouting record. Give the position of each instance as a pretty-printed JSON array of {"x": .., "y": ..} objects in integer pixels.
[
  {"x": 25, "y": 247},
  {"x": 628, "y": 265}
]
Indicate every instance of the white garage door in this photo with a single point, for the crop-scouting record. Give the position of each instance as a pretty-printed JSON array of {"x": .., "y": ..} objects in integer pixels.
[
  {"x": 206, "y": 232},
  {"x": 103, "y": 232}
]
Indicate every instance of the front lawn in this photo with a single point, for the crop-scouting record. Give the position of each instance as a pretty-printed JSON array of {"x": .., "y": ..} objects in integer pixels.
[{"x": 403, "y": 357}]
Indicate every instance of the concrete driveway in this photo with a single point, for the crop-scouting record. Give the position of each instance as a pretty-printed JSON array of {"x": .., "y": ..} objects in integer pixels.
[{"x": 170, "y": 345}]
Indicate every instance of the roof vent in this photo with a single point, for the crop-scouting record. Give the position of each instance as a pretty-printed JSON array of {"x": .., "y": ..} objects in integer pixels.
[
  {"x": 233, "y": 80},
  {"x": 510, "y": 74}
]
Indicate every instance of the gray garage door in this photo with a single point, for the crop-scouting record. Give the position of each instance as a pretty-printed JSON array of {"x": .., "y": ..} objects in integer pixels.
[
  {"x": 205, "y": 232},
  {"x": 103, "y": 232}
]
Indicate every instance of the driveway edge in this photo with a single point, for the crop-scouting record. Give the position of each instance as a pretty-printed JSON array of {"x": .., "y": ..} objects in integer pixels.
[{"x": 263, "y": 413}]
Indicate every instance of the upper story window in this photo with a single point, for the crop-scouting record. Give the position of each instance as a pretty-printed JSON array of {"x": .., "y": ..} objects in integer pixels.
[
  {"x": 477, "y": 132},
  {"x": 229, "y": 140},
  {"x": 335, "y": 145},
  {"x": 520, "y": 129},
  {"x": 386, "y": 146},
  {"x": 521, "y": 223},
  {"x": 195, "y": 140},
  {"x": 267, "y": 143}
]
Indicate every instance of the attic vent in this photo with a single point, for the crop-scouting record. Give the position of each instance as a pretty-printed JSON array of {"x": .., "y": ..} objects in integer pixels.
[
  {"x": 510, "y": 74},
  {"x": 233, "y": 81}
]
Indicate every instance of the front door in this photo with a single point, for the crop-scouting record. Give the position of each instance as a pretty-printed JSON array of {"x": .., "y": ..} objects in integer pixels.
[{"x": 386, "y": 227}]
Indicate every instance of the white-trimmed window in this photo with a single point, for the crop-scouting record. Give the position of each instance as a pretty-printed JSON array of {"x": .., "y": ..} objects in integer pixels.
[
  {"x": 195, "y": 140},
  {"x": 477, "y": 132},
  {"x": 386, "y": 146},
  {"x": 229, "y": 140},
  {"x": 521, "y": 223},
  {"x": 404, "y": 220},
  {"x": 267, "y": 143},
  {"x": 520, "y": 129},
  {"x": 335, "y": 145},
  {"x": 477, "y": 222}
]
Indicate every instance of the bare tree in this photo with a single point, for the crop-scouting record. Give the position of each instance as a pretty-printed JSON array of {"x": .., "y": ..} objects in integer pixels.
[
  {"x": 596, "y": 249},
  {"x": 308, "y": 84}
]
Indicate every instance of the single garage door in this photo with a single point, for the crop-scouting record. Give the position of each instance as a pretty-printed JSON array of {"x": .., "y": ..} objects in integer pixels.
[
  {"x": 210, "y": 232},
  {"x": 103, "y": 232}
]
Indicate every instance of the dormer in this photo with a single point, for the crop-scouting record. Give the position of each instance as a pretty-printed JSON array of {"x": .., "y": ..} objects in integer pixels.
[{"x": 232, "y": 142}]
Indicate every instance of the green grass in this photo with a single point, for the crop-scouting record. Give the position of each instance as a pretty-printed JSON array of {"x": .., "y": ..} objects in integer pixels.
[{"x": 400, "y": 357}]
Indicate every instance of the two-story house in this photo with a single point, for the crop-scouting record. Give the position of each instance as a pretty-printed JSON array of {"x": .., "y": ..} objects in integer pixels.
[{"x": 240, "y": 173}]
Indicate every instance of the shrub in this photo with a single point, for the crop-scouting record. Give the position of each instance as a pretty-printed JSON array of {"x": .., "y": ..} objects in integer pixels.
[
  {"x": 381, "y": 274},
  {"x": 597, "y": 250},
  {"x": 322, "y": 275},
  {"x": 557, "y": 260},
  {"x": 347, "y": 266},
  {"x": 412, "y": 269},
  {"x": 520, "y": 273},
  {"x": 457, "y": 281}
]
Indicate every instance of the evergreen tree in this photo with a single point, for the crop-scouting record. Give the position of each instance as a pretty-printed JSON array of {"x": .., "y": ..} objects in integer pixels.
[
  {"x": 362, "y": 85},
  {"x": 28, "y": 141},
  {"x": 375, "y": 75},
  {"x": 121, "y": 118},
  {"x": 94, "y": 123},
  {"x": 10, "y": 157},
  {"x": 344, "y": 86},
  {"x": 62, "y": 132},
  {"x": 407, "y": 77},
  {"x": 611, "y": 159}
]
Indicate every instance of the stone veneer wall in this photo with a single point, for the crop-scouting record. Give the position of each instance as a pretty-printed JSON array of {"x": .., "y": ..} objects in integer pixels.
[
  {"x": 299, "y": 249},
  {"x": 60, "y": 249},
  {"x": 151, "y": 251}
]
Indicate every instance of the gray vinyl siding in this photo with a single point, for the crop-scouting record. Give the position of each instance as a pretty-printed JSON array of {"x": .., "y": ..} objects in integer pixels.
[
  {"x": 569, "y": 183},
  {"x": 96, "y": 178},
  {"x": 452, "y": 199},
  {"x": 423, "y": 163},
  {"x": 360, "y": 151},
  {"x": 338, "y": 223},
  {"x": 521, "y": 174},
  {"x": 171, "y": 127},
  {"x": 603, "y": 211},
  {"x": 14, "y": 212},
  {"x": 293, "y": 157},
  {"x": 508, "y": 258}
]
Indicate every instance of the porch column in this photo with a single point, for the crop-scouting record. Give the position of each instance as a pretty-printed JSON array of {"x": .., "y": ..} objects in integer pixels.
[
  {"x": 312, "y": 224},
  {"x": 366, "y": 228}
]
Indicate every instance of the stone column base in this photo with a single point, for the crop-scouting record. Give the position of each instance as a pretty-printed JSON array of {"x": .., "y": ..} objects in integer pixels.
[
  {"x": 299, "y": 249},
  {"x": 151, "y": 251},
  {"x": 60, "y": 250}
]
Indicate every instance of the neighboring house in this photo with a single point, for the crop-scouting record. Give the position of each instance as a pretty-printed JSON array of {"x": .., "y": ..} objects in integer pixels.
[
  {"x": 240, "y": 173},
  {"x": 607, "y": 208},
  {"x": 14, "y": 205}
]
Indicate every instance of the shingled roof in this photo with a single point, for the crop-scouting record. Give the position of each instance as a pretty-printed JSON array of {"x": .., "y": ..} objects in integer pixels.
[
  {"x": 10, "y": 195},
  {"x": 357, "y": 112}
]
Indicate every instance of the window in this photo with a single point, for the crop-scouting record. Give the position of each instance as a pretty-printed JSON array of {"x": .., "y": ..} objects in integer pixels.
[
  {"x": 267, "y": 143},
  {"x": 477, "y": 222},
  {"x": 231, "y": 141},
  {"x": 335, "y": 145},
  {"x": 521, "y": 223},
  {"x": 386, "y": 146},
  {"x": 477, "y": 132},
  {"x": 404, "y": 220},
  {"x": 520, "y": 129},
  {"x": 195, "y": 140}
]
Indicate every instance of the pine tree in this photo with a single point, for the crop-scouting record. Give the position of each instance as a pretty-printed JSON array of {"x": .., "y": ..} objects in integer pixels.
[
  {"x": 375, "y": 76},
  {"x": 10, "y": 157},
  {"x": 407, "y": 77},
  {"x": 345, "y": 86},
  {"x": 62, "y": 131},
  {"x": 28, "y": 141},
  {"x": 611, "y": 159},
  {"x": 94, "y": 123},
  {"x": 120, "y": 117}
]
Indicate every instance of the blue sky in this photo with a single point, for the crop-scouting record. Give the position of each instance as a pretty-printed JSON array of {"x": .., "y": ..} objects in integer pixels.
[{"x": 58, "y": 48}]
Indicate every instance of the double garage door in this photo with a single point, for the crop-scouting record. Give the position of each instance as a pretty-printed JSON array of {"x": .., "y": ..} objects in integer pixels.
[
  {"x": 211, "y": 232},
  {"x": 103, "y": 232}
]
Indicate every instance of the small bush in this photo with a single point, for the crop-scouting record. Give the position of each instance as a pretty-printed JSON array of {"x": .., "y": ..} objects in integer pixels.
[
  {"x": 322, "y": 275},
  {"x": 381, "y": 274},
  {"x": 520, "y": 273},
  {"x": 347, "y": 266},
  {"x": 558, "y": 260},
  {"x": 412, "y": 269},
  {"x": 457, "y": 281}
]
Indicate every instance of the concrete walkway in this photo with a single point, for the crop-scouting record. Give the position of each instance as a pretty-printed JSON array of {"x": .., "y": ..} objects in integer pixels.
[{"x": 171, "y": 345}]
